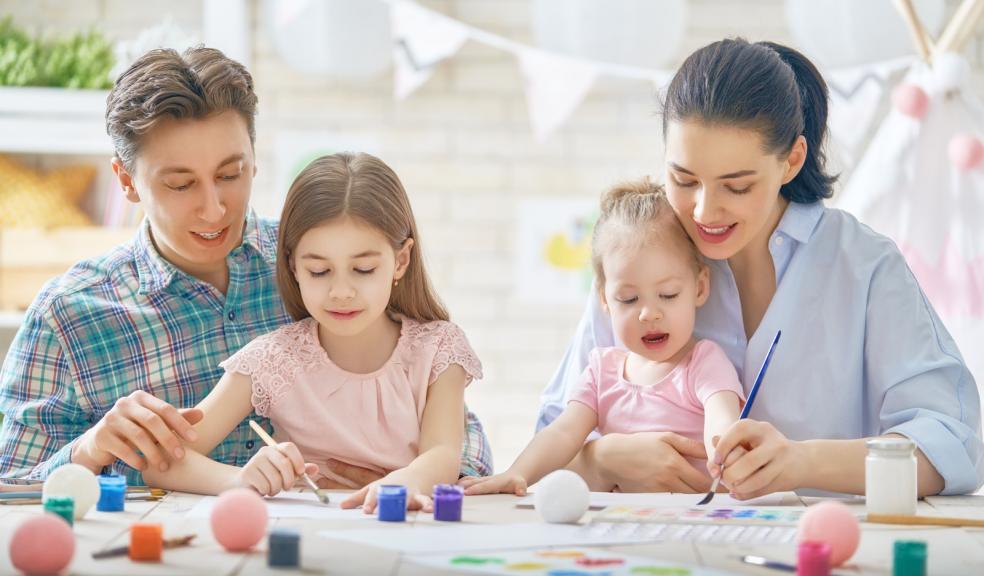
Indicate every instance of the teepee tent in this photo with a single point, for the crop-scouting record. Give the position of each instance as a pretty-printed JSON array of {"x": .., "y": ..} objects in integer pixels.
[{"x": 921, "y": 180}]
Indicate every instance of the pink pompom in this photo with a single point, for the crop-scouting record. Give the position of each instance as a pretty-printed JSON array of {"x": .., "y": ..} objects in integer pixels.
[
  {"x": 42, "y": 545},
  {"x": 834, "y": 523},
  {"x": 239, "y": 519},
  {"x": 966, "y": 152},
  {"x": 911, "y": 100}
]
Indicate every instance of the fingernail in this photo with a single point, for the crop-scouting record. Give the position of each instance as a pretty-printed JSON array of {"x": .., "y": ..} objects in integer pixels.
[{"x": 179, "y": 452}]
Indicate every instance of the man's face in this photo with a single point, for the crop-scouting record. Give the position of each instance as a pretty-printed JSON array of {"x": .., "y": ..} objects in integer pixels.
[{"x": 193, "y": 178}]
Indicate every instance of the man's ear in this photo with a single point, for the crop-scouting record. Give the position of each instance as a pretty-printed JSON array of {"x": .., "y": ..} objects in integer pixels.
[
  {"x": 125, "y": 180},
  {"x": 703, "y": 284},
  {"x": 403, "y": 259}
]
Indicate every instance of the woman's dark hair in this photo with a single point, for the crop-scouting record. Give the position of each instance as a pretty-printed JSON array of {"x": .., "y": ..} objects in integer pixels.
[{"x": 764, "y": 86}]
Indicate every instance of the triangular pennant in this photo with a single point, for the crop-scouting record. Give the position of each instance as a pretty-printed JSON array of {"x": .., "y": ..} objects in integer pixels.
[
  {"x": 555, "y": 85},
  {"x": 422, "y": 39}
]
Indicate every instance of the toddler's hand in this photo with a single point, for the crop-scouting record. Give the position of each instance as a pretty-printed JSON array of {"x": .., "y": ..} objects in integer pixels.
[
  {"x": 505, "y": 483},
  {"x": 274, "y": 469}
]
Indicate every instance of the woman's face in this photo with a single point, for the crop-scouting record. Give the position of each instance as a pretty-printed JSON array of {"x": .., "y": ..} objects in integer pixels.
[{"x": 724, "y": 186}]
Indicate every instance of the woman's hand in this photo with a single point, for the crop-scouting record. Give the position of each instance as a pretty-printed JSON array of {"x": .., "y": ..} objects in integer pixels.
[
  {"x": 368, "y": 497},
  {"x": 772, "y": 463},
  {"x": 505, "y": 483},
  {"x": 274, "y": 469},
  {"x": 651, "y": 462}
]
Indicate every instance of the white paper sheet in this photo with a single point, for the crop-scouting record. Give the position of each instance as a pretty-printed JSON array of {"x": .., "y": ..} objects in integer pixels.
[
  {"x": 601, "y": 500},
  {"x": 292, "y": 505},
  {"x": 458, "y": 537}
]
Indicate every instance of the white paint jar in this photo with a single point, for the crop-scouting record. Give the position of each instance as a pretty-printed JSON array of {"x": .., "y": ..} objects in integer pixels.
[{"x": 890, "y": 476}]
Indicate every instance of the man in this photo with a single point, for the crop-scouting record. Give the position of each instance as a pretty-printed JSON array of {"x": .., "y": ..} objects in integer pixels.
[{"x": 108, "y": 349}]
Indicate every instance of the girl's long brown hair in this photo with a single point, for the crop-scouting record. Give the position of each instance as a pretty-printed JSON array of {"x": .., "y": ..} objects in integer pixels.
[{"x": 363, "y": 187}]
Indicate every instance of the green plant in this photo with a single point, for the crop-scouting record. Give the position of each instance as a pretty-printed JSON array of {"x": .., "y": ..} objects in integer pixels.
[{"x": 82, "y": 60}]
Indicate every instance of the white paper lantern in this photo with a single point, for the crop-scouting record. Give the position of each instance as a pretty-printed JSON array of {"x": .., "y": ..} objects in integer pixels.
[
  {"x": 850, "y": 32},
  {"x": 561, "y": 497},
  {"x": 76, "y": 481},
  {"x": 643, "y": 33},
  {"x": 343, "y": 38}
]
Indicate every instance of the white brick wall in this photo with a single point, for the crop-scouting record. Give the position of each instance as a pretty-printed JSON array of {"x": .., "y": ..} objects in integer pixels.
[{"x": 463, "y": 148}]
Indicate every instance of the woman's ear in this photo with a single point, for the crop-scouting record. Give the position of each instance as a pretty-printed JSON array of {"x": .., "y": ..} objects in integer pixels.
[
  {"x": 125, "y": 180},
  {"x": 703, "y": 284},
  {"x": 403, "y": 259},
  {"x": 795, "y": 159}
]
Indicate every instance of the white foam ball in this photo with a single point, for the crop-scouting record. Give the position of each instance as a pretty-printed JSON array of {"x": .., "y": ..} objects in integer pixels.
[
  {"x": 951, "y": 71},
  {"x": 561, "y": 497},
  {"x": 76, "y": 481}
]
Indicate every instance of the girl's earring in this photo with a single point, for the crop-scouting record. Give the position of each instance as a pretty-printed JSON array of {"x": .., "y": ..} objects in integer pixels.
[{"x": 396, "y": 283}]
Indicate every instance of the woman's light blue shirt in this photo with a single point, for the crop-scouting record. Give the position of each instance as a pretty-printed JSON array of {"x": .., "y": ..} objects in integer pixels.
[{"x": 862, "y": 352}]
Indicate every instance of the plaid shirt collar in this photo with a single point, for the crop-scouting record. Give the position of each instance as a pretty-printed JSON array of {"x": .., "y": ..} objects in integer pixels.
[{"x": 155, "y": 273}]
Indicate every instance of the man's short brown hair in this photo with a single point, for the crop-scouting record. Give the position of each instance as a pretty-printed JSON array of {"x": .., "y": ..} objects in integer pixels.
[{"x": 163, "y": 83}]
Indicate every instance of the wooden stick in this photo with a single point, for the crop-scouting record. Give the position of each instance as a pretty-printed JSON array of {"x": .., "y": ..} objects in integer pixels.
[
  {"x": 919, "y": 32},
  {"x": 964, "y": 19},
  {"x": 169, "y": 543},
  {"x": 923, "y": 520}
]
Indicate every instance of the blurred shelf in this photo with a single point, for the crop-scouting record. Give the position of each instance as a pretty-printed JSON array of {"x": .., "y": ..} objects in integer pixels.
[{"x": 53, "y": 121}]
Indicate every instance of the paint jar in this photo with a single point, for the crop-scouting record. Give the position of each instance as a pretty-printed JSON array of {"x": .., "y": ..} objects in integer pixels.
[
  {"x": 392, "y": 503},
  {"x": 447, "y": 502},
  {"x": 112, "y": 493},
  {"x": 146, "y": 542},
  {"x": 909, "y": 558},
  {"x": 63, "y": 506},
  {"x": 890, "y": 476},
  {"x": 813, "y": 558},
  {"x": 284, "y": 547}
]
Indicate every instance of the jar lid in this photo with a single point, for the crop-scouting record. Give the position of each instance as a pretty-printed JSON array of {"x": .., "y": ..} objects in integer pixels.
[{"x": 891, "y": 444}]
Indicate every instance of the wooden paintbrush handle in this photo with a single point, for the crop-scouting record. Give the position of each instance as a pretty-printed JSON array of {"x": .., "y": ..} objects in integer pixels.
[{"x": 923, "y": 520}]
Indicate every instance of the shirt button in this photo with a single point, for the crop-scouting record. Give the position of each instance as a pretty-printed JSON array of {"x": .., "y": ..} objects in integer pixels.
[
  {"x": 249, "y": 444},
  {"x": 778, "y": 240},
  {"x": 232, "y": 315}
]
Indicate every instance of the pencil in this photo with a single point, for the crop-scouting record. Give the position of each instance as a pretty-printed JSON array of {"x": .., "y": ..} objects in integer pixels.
[
  {"x": 271, "y": 442},
  {"x": 923, "y": 520}
]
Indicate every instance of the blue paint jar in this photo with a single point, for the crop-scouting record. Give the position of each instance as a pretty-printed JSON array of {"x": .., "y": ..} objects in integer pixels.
[
  {"x": 392, "y": 503},
  {"x": 284, "y": 546},
  {"x": 112, "y": 493}
]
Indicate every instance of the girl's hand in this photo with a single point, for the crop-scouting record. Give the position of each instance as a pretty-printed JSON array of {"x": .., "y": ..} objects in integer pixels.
[
  {"x": 368, "y": 497},
  {"x": 505, "y": 483},
  {"x": 773, "y": 463},
  {"x": 274, "y": 469},
  {"x": 713, "y": 468}
]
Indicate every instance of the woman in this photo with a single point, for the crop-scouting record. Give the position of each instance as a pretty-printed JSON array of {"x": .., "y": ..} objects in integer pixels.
[{"x": 862, "y": 352}]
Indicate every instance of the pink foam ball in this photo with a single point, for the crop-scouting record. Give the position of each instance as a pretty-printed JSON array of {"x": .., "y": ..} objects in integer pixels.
[
  {"x": 239, "y": 519},
  {"x": 834, "y": 523},
  {"x": 966, "y": 152},
  {"x": 911, "y": 100},
  {"x": 42, "y": 545}
]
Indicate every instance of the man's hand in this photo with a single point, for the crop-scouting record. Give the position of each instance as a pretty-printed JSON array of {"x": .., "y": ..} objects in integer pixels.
[
  {"x": 349, "y": 476},
  {"x": 140, "y": 423},
  {"x": 651, "y": 462}
]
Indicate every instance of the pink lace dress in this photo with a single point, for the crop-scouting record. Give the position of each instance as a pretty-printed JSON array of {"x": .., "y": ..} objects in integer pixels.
[{"x": 369, "y": 420}]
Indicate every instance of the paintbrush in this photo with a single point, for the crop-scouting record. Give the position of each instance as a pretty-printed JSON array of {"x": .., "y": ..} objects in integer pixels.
[
  {"x": 744, "y": 412},
  {"x": 125, "y": 550},
  {"x": 271, "y": 442},
  {"x": 923, "y": 520}
]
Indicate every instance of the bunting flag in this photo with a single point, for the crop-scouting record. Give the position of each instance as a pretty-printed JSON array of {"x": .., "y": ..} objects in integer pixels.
[
  {"x": 421, "y": 40},
  {"x": 554, "y": 85}
]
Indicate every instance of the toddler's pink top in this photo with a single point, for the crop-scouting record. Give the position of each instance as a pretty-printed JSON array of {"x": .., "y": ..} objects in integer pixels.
[
  {"x": 369, "y": 420},
  {"x": 674, "y": 404}
]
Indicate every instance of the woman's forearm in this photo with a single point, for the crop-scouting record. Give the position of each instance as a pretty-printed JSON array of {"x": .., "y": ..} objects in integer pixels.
[
  {"x": 195, "y": 473},
  {"x": 838, "y": 466}
]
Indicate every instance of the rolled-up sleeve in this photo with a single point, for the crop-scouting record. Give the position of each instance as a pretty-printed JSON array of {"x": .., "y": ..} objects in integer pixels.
[
  {"x": 593, "y": 331},
  {"x": 918, "y": 378}
]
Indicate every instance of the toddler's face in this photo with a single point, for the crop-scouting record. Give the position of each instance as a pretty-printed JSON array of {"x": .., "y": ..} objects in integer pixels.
[
  {"x": 345, "y": 270},
  {"x": 652, "y": 293}
]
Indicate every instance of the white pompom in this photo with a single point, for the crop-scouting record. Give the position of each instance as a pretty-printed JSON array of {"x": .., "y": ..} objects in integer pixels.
[
  {"x": 76, "y": 481},
  {"x": 561, "y": 497},
  {"x": 951, "y": 71}
]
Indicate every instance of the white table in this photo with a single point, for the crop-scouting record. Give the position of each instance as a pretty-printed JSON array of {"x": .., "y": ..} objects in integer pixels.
[{"x": 951, "y": 550}]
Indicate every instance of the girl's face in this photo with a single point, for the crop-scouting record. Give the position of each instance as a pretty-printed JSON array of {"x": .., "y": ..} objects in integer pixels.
[
  {"x": 723, "y": 187},
  {"x": 652, "y": 292},
  {"x": 345, "y": 270}
]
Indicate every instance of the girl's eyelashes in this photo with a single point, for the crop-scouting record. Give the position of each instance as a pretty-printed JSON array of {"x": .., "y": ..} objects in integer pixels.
[
  {"x": 669, "y": 296},
  {"x": 631, "y": 300},
  {"x": 739, "y": 190},
  {"x": 179, "y": 187},
  {"x": 317, "y": 273},
  {"x": 320, "y": 273},
  {"x": 365, "y": 271}
]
